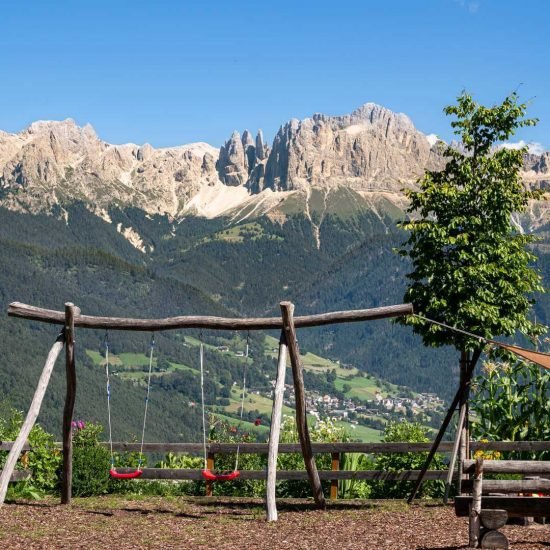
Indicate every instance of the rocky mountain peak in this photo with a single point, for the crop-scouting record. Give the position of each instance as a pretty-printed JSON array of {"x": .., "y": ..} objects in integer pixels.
[
  {"x": 371, "y": 150},
  {"x": 261, "y": 148}
]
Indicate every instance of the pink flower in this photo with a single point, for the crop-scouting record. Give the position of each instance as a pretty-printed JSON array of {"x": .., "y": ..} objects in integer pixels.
[
  {"x": 81, "y": 425},
  {"x": 73, "y": 424}
]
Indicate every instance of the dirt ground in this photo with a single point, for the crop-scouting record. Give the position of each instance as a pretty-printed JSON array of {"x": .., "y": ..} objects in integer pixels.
[{"x": 124, "y": 523}]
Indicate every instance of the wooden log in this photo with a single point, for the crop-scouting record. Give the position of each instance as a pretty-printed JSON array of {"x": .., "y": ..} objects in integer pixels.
[
  {"x": 511, "y": 466},
  {"x": 335, "y": 466},
  {"x": 494, "y": 539},
  {"x": 34, "y": 409},
  {"x": 7, "y": 445},
  {"x": 24, "y": 311},
  {"x": 493, "y": 519},
  {"x": 454, "y": 455},
  {"x": 515, "y": 506},
  {"x": 287, "y": 310},
  {"x": 510, "y": 446},
  {"x": 275, "y": 431},
  {"x": 512, "y": 486},
  {"x": 318, "y": 448},
  {"x": 463, "y": 434},
  {"x": 263, "y": 448},
  {"x": 19, "y": 475},
  {"x": 291, "y": 475},
  {"x": 445, "y": 423},
  {"x": 475, "y": 508},
  {"x": 70, "y": 374}
]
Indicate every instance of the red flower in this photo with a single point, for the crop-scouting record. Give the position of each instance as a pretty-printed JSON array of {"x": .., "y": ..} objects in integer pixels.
[{"x": 257, "y": 422}]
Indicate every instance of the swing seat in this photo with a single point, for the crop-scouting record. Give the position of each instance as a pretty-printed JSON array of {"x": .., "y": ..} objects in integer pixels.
[
  {"x": 210, "y": 476},
  {"x": 130, "y": 475}
]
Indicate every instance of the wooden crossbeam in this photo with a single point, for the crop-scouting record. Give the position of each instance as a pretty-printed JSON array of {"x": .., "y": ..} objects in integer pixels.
[
  {"x": 510, "y": 466},
  {"x": 25, "y": 311}
]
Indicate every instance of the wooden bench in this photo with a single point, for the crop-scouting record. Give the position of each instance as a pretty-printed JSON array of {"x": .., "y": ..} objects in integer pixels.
[{"x": 486, "y": 512}]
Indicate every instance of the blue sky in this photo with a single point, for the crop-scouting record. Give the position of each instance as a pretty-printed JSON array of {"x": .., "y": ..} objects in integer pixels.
[{"x": 172, "y": 72}]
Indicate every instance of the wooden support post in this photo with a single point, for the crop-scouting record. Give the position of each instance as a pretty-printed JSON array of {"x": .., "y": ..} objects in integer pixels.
[
  {"x": 463, "y": 435},
  {"x": 475, "y": 509},
  {"x": 445, "y": 423},
  {"x": 67, "y": 480},
  {"x": 210, "y": 466},
  {"x": 335, "y": 466},
  {"x": 275, "y": 430},
  {"x": 452, "y": 462},
  {"x": 287, "y": 310},
  {"x": 34, "y": 409}
]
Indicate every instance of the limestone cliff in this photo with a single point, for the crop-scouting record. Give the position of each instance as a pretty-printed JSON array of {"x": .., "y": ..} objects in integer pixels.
[
  {"x": 51, "y": 162},
  {"x": 371, "y": 149},
  {"x": 368, "y": 152}
]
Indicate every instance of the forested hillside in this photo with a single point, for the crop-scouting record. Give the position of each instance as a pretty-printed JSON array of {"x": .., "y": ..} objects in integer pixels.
[{"x": 201, "y": 266}]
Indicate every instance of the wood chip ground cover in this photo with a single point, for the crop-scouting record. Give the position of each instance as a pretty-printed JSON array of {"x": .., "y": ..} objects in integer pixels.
[{"x": 124, "y": 523}]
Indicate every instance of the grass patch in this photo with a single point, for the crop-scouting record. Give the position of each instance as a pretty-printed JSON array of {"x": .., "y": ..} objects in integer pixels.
[
  {"x": 361, "y": 433},
  {"x": 361, "y": 388}
]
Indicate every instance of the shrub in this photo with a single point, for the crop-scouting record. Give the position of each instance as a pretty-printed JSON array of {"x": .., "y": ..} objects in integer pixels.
[
  {"x": 222, "y": 431},
  {"x": 410, "y": 432},
  {"x": 91, "y": 461},
  {"x": 44, "y": 460},
  {"x": 323, "y": 431}
]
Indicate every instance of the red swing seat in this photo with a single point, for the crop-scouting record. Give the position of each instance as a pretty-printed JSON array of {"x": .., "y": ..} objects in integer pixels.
[
  {"x": 130, "y": 475},
  {"x": 210, "y": 476}
]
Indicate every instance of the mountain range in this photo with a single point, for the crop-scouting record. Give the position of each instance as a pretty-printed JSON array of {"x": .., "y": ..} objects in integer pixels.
[{"x": 370, "y": 151}]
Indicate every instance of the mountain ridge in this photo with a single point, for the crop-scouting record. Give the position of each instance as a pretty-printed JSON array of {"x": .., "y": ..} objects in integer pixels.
[{"x": 373, "y": 153}]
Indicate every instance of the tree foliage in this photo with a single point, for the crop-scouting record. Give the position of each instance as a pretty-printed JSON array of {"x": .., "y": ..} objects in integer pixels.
[{"x": 471, "y": 262}]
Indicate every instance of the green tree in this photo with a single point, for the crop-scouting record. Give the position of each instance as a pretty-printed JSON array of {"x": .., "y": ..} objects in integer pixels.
[{"x": 471, "y": 263}]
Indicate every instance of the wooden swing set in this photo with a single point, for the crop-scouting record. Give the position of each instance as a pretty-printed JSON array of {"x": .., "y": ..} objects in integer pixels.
[{"x": 72, "y": 318}]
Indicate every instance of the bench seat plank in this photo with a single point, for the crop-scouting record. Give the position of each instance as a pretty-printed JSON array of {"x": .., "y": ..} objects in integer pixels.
[{"x": 515, "y": 506}]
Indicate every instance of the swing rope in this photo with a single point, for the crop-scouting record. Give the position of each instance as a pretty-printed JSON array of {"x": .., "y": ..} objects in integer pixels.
[
  {"x": 207, "y": 474},
  {"x": 106, "y": 343},
  {"x": 202, "y": 401},
  {"x": 139, "y": 470},
  {"x": 242, "y": 400},
  {"x": 152, "y": 348}
]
